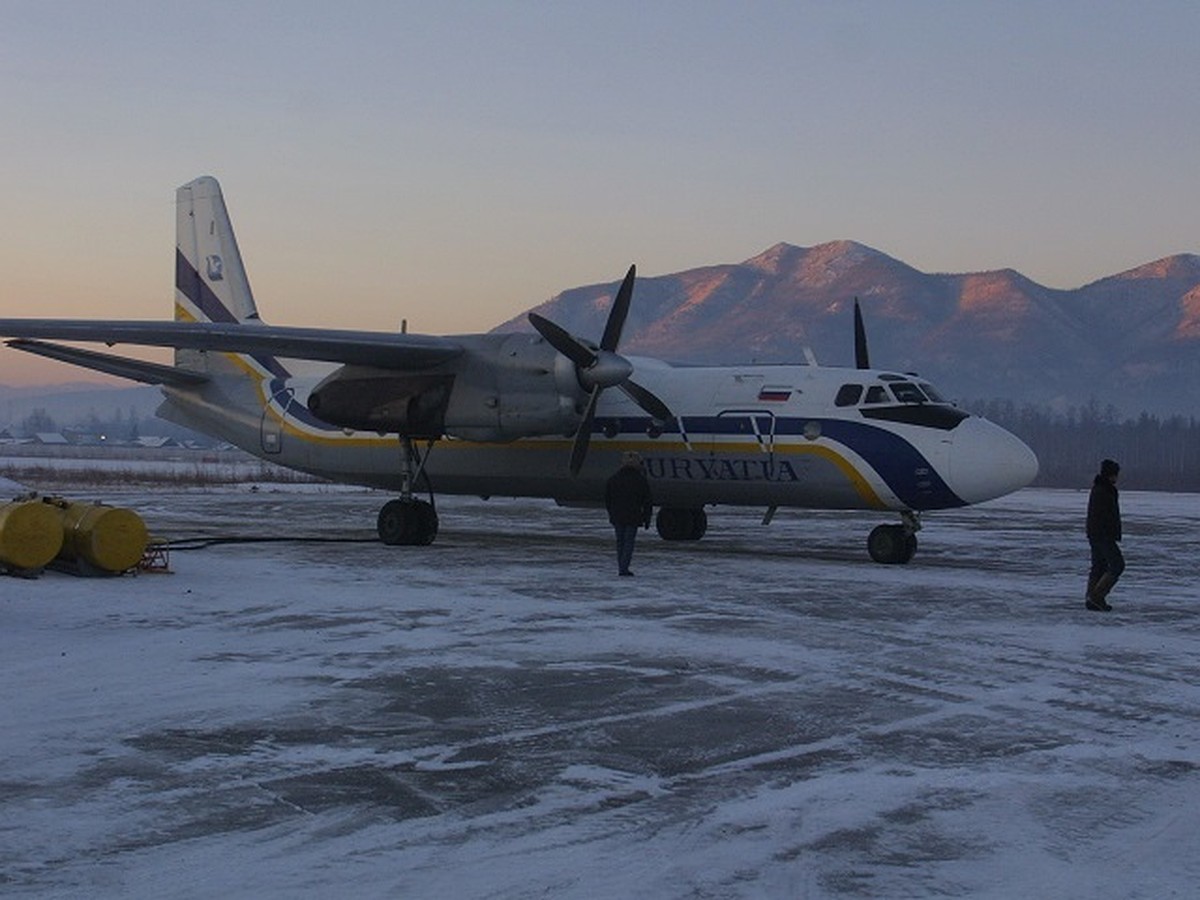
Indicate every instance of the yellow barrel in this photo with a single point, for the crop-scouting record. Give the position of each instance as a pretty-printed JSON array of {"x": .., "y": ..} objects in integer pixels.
[
  {"x": 107, "y": 538},
  {"x": 30, "y": 535}
]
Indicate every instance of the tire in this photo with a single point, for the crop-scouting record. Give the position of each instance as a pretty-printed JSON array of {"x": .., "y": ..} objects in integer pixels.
[
  {"x": 412, "y": 523},
  {"x": 394, "y": 522},
  {"x": 888, "y": 544},
  {"x": 676, "y": 523},
  {"x": 427, "y": 523}
]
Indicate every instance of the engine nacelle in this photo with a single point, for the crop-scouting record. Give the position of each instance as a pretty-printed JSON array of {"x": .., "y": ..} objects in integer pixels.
[
  {"x": 383, "y": 400},
  {"x": 504, "y": 387}
]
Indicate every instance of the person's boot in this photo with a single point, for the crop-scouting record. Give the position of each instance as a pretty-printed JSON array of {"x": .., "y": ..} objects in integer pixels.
[
  {"x": 1100, "y": 590},
  {"x": 1091, "y": 586}
]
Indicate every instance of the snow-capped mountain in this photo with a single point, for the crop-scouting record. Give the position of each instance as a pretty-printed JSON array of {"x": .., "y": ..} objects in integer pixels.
[{"x": 1131, "y": 340}]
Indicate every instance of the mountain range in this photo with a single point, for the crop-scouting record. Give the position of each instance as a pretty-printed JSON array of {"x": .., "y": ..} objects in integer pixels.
[{"x": 1130, "y": 341}]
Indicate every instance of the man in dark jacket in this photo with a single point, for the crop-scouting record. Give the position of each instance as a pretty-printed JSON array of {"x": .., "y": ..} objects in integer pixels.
[
  {"x": 1104, "y": 535},
  {"x": 627, "y": 498}
]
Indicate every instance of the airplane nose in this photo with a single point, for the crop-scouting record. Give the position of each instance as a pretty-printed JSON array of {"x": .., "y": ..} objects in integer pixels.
[{"x": 988, "y": 462}]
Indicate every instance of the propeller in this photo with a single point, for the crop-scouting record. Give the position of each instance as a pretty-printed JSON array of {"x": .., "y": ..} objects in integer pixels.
[
  {"x": 598, "y": 368},
  {"x": 861, "y": 358}
]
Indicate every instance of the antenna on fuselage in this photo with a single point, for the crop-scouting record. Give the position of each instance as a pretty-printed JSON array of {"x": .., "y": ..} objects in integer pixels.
[{"x": 861, "y": 357}]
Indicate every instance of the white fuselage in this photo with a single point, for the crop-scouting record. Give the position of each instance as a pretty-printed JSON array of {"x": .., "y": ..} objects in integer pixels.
[{"x": 744, "y": 435}]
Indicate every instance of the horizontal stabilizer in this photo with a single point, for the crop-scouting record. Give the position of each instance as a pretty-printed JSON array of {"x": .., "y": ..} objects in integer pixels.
[
  {"x": 407, "y": 352},
  {"x": 121, "y": 366}
]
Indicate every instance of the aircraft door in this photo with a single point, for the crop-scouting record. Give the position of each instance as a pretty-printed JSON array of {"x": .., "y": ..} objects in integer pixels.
[
  {"x": 271, "y": 424},
  {"x": 736, "y": 427}
]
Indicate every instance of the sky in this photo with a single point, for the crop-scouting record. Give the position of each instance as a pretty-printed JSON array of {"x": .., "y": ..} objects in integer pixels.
[{"x": 456, "y": 163}]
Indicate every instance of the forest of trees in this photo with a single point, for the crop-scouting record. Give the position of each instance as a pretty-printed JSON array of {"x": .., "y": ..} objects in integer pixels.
[{"x": 1156, "y": 454}]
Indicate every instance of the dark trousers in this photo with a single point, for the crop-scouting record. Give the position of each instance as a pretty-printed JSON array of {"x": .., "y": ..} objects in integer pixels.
[
  {"x": 1106, "y": 557},
  {"x": 626, "y": 537}
]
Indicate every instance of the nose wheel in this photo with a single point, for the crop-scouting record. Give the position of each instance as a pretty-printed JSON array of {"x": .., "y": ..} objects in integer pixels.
[{"x": 894, "y": 544}]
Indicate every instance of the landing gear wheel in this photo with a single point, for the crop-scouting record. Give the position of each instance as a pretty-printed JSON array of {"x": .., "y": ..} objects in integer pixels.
[
  {"x": 680, "y": 524},
  {"x": 407, "y": 522},
  {"x": 891, "y": 544}
]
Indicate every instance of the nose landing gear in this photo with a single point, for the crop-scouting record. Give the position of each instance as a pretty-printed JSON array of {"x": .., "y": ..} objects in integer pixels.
[{"x": 895, "y": 544}]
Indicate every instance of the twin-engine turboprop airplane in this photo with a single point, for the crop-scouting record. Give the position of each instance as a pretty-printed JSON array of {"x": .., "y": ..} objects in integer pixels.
[{"x": 535, "y": 414}]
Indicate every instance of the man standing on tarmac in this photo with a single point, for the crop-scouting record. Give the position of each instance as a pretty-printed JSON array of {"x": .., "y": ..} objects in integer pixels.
[
  {"x": 627, "y": 498},
  {"x": 1104, "y": 535}
]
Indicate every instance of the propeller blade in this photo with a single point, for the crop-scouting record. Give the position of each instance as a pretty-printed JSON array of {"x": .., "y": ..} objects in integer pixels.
[
  {"x": 563, "y": 341},
  {"x": 584, "y": 433},
  {"x": 600, "y": 368},
  {"x": 861, "y": 358},
  {"x": 646, "y": 400},
  {"x": 620, "y": 309}
]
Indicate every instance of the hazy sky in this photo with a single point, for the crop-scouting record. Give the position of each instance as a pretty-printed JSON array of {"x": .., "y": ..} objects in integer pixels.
[{"x": 455, "y": 163}]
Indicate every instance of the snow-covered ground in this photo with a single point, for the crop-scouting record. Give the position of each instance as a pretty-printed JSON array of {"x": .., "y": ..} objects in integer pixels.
[{"x": 762, "y": 714}]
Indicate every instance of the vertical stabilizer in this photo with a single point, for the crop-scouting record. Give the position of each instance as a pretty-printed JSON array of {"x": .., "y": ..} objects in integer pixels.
[{"x": 210, "y": 279}]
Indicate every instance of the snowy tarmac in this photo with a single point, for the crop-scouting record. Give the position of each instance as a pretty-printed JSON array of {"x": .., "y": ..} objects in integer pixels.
[{"x": 765, "y": 713}]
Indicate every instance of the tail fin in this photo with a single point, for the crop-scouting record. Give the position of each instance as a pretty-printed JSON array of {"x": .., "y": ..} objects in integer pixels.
[{"x": 210, "y": 279}]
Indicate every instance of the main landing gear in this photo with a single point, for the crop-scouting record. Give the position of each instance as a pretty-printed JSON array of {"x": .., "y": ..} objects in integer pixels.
[
  {"x": 895, "y": 544},
  {"x": 407, "y": 520},
  {"x": 677, "y": 523}
]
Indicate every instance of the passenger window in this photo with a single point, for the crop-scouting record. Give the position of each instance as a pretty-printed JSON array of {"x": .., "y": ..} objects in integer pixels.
[
  {"x": 848, "y": 394},
  {"x": 876, "y": 393},
  {"x": 906, "y": 392}
]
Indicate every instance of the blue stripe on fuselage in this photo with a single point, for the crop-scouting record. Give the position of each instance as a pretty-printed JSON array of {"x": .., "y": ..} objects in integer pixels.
[{"x": 905, "y": 470}]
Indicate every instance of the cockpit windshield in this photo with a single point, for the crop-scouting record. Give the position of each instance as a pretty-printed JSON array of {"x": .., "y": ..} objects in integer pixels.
[
  {"x": 907, "y": 392},
  {"x": 895, "y": 398},
  {"x": 895, "y": 390},
  {"x": 931, "y": 393}
]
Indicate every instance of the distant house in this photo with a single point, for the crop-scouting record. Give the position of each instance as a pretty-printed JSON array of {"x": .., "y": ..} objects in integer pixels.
[
  {"x": 83, "y": 439},
  {"x": 51, "y": 439},
  {"x": 155, "y": 442},
  {"x": 6, "y": 435}
]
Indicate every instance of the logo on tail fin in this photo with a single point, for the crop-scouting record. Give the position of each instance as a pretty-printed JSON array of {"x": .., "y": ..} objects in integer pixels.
[{"x": 216, "y": 268}]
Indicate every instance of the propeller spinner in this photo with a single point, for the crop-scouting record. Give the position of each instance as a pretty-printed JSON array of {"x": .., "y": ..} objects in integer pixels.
[{"x": 598, "y": 368}]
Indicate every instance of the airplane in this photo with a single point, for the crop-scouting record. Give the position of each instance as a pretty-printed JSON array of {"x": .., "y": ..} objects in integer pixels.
[{"x": 536, "y": 414}]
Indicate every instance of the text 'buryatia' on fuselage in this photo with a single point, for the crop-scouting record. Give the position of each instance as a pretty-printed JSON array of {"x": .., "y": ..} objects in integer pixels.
[{"x": 540, "y": 414}]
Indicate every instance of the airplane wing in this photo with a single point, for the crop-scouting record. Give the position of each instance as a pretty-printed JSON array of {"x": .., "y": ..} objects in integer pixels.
[
  {"x": 404, "y": 352},
  {"x": 122, "y": 367}
]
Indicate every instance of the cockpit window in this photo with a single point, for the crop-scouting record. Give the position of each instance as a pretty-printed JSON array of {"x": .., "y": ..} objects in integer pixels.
[
  {"x": 848, "y": 394},
  {"x": 876, "y": 393},
  {"x": 931, "y": 392},
  {"x": 907, "y": 392}
]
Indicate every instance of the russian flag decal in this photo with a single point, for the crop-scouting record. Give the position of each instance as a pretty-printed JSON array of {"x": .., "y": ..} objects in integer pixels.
[{"x": 774, "y": 394}]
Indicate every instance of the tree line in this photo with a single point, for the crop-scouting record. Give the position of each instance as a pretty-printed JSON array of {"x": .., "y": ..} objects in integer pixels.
[
  {"x": 1155, "y": 453},
  {"x": 115, "y": 426}
]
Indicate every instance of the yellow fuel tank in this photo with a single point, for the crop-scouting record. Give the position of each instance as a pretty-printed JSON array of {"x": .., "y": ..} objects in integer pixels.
[
  {"x": 107, "y": 538},
  {"x": 31, "y": 535}
]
